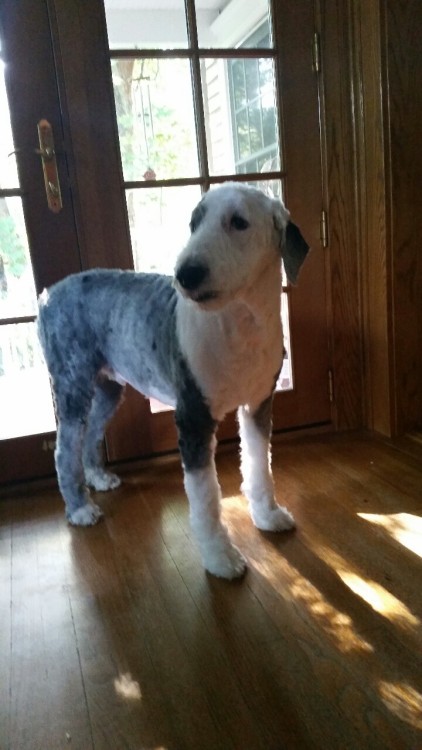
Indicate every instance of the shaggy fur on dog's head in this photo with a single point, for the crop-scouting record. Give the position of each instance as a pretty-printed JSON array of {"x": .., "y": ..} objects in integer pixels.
[{"x": 252, "y": 231}]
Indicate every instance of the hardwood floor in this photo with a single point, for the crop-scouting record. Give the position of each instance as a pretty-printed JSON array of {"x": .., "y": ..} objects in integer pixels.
[{"x": 113, "y": 637}]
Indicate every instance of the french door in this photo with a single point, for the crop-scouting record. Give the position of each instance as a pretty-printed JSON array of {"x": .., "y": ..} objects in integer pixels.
[
  {"x": 206, "y": 92},
  {"x": 37, "y": 246},
  {"x": 149, "y": 107}
]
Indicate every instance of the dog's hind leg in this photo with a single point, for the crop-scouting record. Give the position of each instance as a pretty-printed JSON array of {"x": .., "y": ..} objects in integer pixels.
[
  {"x": 255, "y": 426},
  {"x": 79, "y": 510},
  {"x": 73, "y": 401},
  {"x": 106, "y": 399},
  {"x": 197, "y": 446}
]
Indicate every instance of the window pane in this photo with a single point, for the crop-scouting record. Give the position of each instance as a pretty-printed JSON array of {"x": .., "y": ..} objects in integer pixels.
[
  {"x": 238, "y": 83},
  {"x": 17, "y": 290},
  {"x": 8, "y": 170},
  {"x": 252, "y": 79},
  {"x": 155, "y": 117},
  {"x": 152, "y": 24},
  {"x": 233, "y": 23},
  {"x": 159, "y": 225},
  {"x": 241, "y": 116},
  {"x": 26, "y": 405}
]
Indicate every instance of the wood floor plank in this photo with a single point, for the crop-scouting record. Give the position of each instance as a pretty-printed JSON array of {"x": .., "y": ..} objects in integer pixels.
[
  {"x": 114, "y": 637},
  {"x": 47, "y": 698}
]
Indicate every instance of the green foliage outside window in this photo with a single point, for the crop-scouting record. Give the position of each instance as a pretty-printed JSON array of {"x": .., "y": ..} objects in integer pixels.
[{"x": 12, "y": 251}]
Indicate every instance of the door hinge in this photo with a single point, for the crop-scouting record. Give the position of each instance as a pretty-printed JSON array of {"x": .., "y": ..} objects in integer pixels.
[
  {"x": 331, "y": 386},
  {"x": 316, "y": 52},
  {"x": 324, "y": 228}
]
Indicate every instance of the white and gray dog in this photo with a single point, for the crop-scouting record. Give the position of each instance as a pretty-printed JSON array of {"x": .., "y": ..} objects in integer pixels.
[{"x": 206, "y": 342}]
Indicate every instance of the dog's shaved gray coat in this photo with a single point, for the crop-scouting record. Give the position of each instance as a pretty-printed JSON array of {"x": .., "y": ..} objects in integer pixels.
[
  {"x": 84, "y": 337},
  {"x": 101, "y": 334}
]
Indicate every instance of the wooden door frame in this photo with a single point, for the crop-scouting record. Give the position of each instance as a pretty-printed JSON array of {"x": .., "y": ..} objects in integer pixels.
[
  {"x": 28, "y": 54},
  {"x": 32, "y": 103},
  {"x": 388, "y": 45},
  {"x": 372, "y": 109}
]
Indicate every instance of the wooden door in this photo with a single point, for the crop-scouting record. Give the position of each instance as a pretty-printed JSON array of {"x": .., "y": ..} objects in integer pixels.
[
  {"x": 52, "y": 67},
  {"x": 240, "y": 84},
  {"x": 37, "y": 246}
]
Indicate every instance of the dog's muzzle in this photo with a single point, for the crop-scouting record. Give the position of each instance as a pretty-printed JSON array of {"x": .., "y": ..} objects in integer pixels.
[{"x": 190, "y": 277}]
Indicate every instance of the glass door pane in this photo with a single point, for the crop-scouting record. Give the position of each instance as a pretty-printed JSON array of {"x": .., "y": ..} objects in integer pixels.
[
  {"x": 159, "y": 225},
  {"x": 155, "y": 117},
  {"x": 233, "y": 23},
  {"x": 241, "y": 115},
  {"x": 26, "y": 405},
  {"x": 146, "y": 25}
]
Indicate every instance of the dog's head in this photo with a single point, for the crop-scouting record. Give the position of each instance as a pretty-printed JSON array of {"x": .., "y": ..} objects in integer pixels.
[{"x": 236, "y": 233}]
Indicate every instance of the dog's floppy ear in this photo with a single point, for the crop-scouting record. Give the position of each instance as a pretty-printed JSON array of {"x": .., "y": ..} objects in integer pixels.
[
  {"x": 293, "y": 251},
  {"x": 293, "y": 247}
]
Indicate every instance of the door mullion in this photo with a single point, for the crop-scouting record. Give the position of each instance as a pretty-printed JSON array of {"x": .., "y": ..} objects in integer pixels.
[{"x": 198, "y": 101}]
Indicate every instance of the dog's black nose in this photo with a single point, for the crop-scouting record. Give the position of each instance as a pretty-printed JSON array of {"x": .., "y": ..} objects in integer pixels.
[{"x": 191, "y": 275}]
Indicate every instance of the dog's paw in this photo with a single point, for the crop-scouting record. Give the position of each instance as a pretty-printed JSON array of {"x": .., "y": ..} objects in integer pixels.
[
  {"x": 86, "y": 515},
  {"x": 227, "y": 562},
  {"x": 101, "y": 480},
  {"x": 274, "y": 519}
]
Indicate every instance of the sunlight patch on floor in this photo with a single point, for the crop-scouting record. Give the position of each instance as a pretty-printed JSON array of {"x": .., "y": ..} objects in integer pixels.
[
  {"x": 126, "y": 687},
  {"x": 337, "y": 624},
  {"x": 379, "y": 599},
  {"x": 273, "y": 566},
  {"x": 403, "y": 701},
  {"x": 235, "y": 509},
  {"x": 405, "y": 528}
]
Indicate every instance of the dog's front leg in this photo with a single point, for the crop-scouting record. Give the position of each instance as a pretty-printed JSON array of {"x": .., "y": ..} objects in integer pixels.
[
  {"x": 220, "y": 557},
  {"x": 107, "y": 396},
  {"x": 255, "y": 426}
]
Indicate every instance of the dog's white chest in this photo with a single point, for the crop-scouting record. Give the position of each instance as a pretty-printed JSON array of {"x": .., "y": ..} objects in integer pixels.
[{"x": 234, "y": 357}]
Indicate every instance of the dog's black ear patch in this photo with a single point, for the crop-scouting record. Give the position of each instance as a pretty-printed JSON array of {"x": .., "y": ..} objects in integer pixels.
[
  {"x": 198, "y": 214},
  {"x": 293, "y": 251}
]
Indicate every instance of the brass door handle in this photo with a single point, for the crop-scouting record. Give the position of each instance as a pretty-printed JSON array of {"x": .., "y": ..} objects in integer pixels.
[{"x": 49, "y": 165}]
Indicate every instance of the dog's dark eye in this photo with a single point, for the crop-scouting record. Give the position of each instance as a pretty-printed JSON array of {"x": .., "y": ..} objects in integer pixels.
[{"x": 238, "y": 222}]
